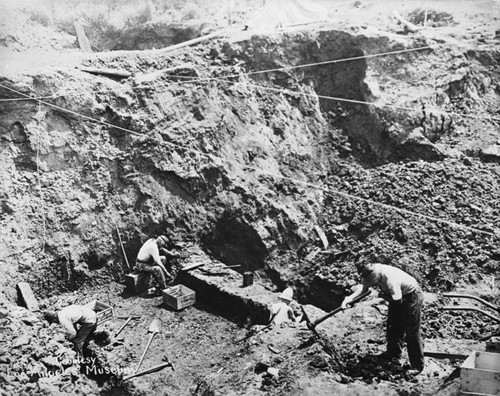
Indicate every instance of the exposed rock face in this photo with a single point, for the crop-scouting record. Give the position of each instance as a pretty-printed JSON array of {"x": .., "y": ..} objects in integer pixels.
[
  {"x": 228, "y": 161},
  {"x": 388, "y": 159}
]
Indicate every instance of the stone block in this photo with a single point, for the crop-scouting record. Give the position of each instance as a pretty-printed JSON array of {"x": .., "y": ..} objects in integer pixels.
[
  {"x": 137, "y": 282},
  {"x": 27, "y": 297}
]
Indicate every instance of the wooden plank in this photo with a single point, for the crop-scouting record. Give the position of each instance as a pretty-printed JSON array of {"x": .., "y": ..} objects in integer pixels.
[
  {"x": 27, "y": 297},
  {"x": 190, "y": 42},
  {"x": 83, "y": 41},
  {"x": 445, "y": 355},
  {"x": 106, "y": 71},
  {"x": 322, "y": 236}
]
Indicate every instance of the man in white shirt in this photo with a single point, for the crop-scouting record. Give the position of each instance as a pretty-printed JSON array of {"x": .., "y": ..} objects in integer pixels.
[
  {"x": 405, "y": 299},
  {"x": 78, "y": 321},
  {"x": 149, "y": 260},
  {"x": 282, "y": 312}
]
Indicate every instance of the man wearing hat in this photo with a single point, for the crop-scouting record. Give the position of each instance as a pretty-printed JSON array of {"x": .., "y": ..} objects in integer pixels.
[
  {"x": 405, "y": 299},
  {"x": 282, "y": 312},
  {"x": 149, "y": 260}
]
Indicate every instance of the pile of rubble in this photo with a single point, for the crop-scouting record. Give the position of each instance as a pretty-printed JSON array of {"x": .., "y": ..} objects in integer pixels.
[{"x": 35, "y": 358}]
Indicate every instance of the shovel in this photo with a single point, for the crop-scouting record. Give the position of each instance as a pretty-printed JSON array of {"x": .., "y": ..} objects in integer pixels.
[
  {"x": 311, "y": 325},
  {"x": 154, "y": 328}
]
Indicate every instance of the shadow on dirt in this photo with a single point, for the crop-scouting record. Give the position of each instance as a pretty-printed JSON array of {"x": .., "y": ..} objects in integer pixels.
[{"x": 109, "y": 379}]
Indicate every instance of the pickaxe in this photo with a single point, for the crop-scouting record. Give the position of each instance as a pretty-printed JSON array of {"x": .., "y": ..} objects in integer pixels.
[
  {"x": 311, "y": 325},
  {"x": 166, "y": 363}
]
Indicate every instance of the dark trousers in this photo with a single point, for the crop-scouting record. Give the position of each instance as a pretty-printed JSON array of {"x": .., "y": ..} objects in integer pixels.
[
  {"x": 83, "y": 333},
  {"x": 405, "y": 320},
  {"x": 160, "y": 276}
]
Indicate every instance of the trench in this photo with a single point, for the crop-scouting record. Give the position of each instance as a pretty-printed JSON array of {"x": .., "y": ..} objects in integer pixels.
[
  {"x": 232, "y": 238},
  {"x": 223, "y": 303}
]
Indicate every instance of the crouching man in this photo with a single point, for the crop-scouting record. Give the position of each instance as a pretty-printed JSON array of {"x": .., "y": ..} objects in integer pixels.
[
  {"x": 281, "y": 312},
  {"x": 78, "y": 321},
  {"x": 149, "y": 260},
  {"x": 405, "y": 299}
]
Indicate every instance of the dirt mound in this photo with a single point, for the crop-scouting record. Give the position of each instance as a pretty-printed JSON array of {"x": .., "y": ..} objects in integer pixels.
[{"x": 431, "y": 18}]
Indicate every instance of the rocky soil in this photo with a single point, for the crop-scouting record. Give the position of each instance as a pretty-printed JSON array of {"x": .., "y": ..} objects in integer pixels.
[{"x": 285, "y": 173}]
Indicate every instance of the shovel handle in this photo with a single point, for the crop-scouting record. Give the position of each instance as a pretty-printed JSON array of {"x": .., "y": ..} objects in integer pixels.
[
  {"x": 121, "y": 328},
  {"x": 144, "y": 353},
  {"x": 123, "y": 249},
  {"x": 330, "y": 314},
  {"x": 150, "y": 370}
]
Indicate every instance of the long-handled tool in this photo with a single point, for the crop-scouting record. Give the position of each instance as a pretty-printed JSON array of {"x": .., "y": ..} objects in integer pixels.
[
  {"x": 123, "y": 249},
  {"x": 258, "y": 331},
  {"x": 253, "y": 333},
  {"x": 155, "y": 327},
  {"x": 128, "y": 319},
  {"x": 311, "y": 325},
  {"x": 198, "y": 265},
  {"x": 150, "y": 370}
]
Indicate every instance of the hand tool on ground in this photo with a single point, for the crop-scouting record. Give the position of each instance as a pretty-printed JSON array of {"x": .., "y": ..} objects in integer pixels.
[
  {"x": 471, "y": 308},
  {"x": 150, "y": 370},
  {"x": 155, "y": 327},
  {"x": 128, "y": 319},
  {"x": 258, "y": 331},
  {"x": 253, "y": 333},
  {"x": 123, "y": 249},
  {"x": 198, "y": 265},
  {"x": 192, "y": 266},
  {"x": 312, "y": 325}
]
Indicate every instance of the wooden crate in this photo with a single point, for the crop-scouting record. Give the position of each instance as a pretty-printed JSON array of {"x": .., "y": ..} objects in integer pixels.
[
  {"x": 480, "y": 374},
  {"x": 103, "y": 311},
  {"x": 179, "y": 297},
  {"x": 493, "y": 344}
]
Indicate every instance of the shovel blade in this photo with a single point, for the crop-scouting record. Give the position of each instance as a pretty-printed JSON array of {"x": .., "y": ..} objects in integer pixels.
[{"x": 155, "y": 326}]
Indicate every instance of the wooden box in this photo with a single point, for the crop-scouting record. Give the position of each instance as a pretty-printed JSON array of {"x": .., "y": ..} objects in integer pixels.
[
  {"x": 493, "y": 344},
  {"x": 137, "y": 282},
  {"x": 480, "y": 374},
  {"x": 103, "y": 311},
  {"x": 179, "y": 297},
  {"x": 247, "y": 279}
]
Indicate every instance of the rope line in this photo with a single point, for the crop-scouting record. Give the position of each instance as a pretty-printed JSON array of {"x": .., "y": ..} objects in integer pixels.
[
  {"x": 30, "y": 98},
  {"x": 315, "y": 63},
  {"x": 354, "y": 101},
  {"x": 42, "y": 202},
  {"x": 258, "y": 170},
  {"x": 341, "y": 60}
]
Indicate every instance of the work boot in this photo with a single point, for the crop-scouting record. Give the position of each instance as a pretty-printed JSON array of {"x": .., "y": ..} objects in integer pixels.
[
  {"x": 413, "y": 372},
  {"x": 388, "y": 357}
]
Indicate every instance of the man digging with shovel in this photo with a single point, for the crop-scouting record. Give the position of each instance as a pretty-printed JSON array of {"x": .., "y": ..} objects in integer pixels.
[{"x": 405, "y": 299}]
